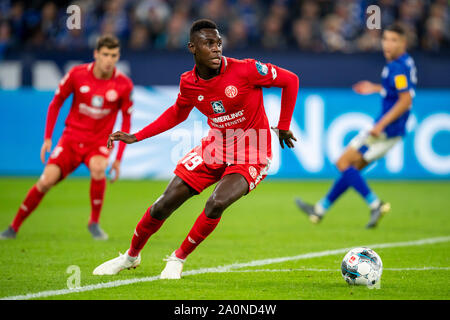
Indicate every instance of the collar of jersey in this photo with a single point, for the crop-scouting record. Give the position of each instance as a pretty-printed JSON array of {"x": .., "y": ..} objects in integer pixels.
[
  {"x": 401, "y": 57},
  {"x": 223, "y": 67},
  {"x": 91, "y": 69}
]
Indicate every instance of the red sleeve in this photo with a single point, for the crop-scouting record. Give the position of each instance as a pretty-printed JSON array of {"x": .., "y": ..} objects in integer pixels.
[
  {"x": 126, "y": 100},
  {"x": 289, "y": 83},
  {"x": 260, "y": 74},
  {"x": 169, "y": 119},
  {"x": 126, "y": 108},
  {"x": 126, "y": 125},
  {"x": 65, "y": 88},
  {"x": 268, "y": 75}
]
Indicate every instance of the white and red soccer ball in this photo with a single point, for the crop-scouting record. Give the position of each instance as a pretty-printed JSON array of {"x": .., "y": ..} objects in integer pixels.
[{"x": 362, "y": 266}]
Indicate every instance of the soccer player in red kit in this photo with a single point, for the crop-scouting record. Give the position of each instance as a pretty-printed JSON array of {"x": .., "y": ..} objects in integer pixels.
[
  {"x": 99, "y": 92},
  {"x": 229, "y": 93}
]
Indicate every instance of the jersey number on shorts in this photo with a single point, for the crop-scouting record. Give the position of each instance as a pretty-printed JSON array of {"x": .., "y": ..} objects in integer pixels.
[
  {"x": 195, "y": 161},
  {"x": 56, "y": 152}
]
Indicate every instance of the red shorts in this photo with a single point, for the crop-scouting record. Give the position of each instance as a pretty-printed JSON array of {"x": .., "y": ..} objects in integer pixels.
[
  {"x": 69, "y": 154},
  {"x": 199, "y": 175}
]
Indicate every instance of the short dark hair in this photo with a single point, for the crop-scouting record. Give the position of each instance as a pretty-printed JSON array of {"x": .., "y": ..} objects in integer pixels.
[
  {"x": 202, "y": 24},
  {"x": 397, "y": 28},
  {"x": 110, "y": 41}
]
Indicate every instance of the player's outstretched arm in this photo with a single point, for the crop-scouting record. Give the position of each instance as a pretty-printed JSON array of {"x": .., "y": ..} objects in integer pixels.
[
  {"x": 366, "y": 87},
  {"x": 121, "y": 136},
  {"x": 169, "y": 119}
]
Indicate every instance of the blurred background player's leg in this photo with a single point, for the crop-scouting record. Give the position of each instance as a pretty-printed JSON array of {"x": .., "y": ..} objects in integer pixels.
[
  {"x": 50, "y": 176},
  {"x": 349, "y": 164},
  {"x": 97, "y": 167}
]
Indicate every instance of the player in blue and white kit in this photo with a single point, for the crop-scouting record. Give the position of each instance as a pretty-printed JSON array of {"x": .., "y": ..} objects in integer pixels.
[{"x": 397, "y": 89}]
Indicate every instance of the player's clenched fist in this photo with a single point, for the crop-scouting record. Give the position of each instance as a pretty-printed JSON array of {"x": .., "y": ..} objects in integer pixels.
[
  {"x": 366, "y": 87},
  {"x": 120, "y": 136},
  {"x": 46, "y": 147}
]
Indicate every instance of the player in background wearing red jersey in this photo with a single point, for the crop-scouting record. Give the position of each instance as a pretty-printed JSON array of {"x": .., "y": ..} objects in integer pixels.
[
  {"x": 99, "y": 92},
  {"x": 229, "y": 93}
]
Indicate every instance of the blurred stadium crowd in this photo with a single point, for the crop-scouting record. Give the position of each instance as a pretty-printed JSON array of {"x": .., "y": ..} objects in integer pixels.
[{"x": 314, "y": 26}]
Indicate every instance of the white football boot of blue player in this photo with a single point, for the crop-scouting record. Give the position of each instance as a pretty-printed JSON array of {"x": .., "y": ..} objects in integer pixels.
[{"x": 114, "y": 266}]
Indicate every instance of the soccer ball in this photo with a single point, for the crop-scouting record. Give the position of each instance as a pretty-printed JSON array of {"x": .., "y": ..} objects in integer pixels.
[{"x": 362, "y": 266}]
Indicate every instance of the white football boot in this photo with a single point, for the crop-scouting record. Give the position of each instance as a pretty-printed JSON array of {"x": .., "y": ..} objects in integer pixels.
[
  {"x": 114, "y": 266},
  {"x": 173, "y": 267}
]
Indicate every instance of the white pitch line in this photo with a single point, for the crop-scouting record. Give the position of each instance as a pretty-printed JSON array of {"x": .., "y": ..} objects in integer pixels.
[
  {"x": 335, "y": 270},
  {"x": 418, "y": 269},
  {"x": 226, "y": 268}
]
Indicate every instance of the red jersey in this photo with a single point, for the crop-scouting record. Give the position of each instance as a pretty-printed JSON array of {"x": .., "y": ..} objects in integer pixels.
[
  {"x": 233, "y": 103},
  {"x": 95, "y": 105}
]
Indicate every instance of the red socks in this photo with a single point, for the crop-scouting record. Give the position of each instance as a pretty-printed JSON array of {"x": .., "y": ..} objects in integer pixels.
[
  {"x": 34, "y": 197},
  {"x": 203, "y": 226},
  {"x": 148, "y": 225},
  {"x": 30, "y": 203},
  {"x": 97, "y": 192},
  {"x": 145, "y": 228}
]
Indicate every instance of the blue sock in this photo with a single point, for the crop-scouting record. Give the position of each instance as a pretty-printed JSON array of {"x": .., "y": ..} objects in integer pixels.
[
  {"x": 349, "y": 177},
  {"x": 338, "y": 188},
  {"x": 360, "y": 185}
]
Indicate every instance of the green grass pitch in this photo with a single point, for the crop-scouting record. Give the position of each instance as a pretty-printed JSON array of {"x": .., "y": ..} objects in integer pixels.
[{"x": 264, "y": 224}]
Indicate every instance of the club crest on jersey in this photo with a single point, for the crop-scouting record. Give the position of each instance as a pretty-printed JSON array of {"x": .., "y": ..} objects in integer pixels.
[
  {"x": 262, "y": 68},
  {"x": 218, "y": 106},
  {"x": 111, "y": 95},
  {"x": 253, "y": 172},
  {"x": 231, "y": 91},
  {"x": 84, "y": 89},
  {"x": 97, "y": 101}
]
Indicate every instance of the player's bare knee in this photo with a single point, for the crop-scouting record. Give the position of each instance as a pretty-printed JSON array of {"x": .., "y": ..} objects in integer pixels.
[
  {"x": 96, "y": 166},
  {"x": 342, "y": 164},
  {"x": 44, "y": 183},
  {"x": 161, "y": 208},
  {"x": 173, "y": 197},
  {"x": 361, "y": 164},
  {"x": 98, "y": 174},
  {"x": 97, "y": 170},
  {"x": 215, "y": 207}
]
